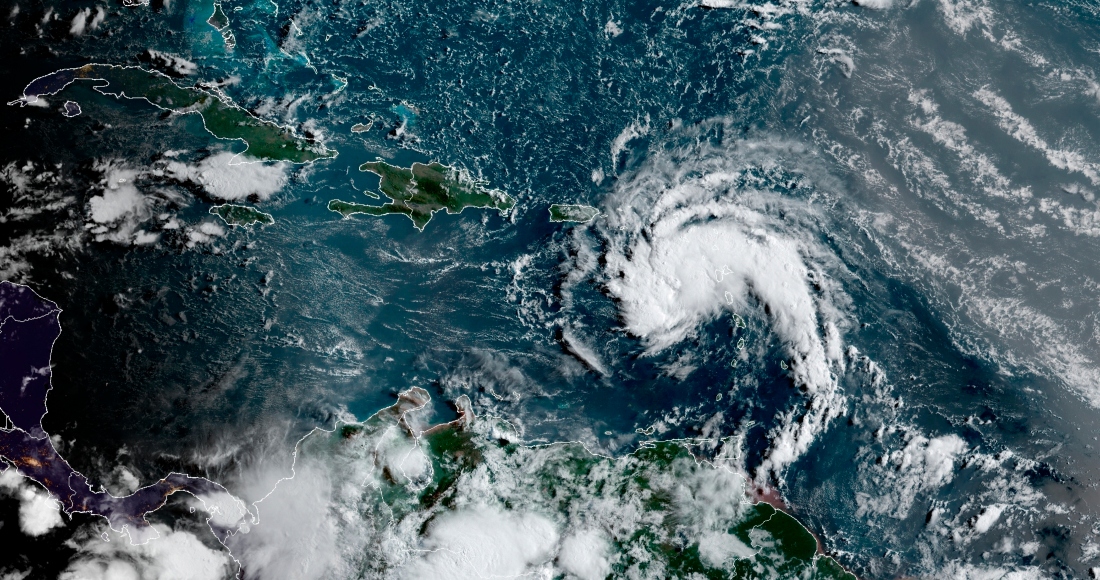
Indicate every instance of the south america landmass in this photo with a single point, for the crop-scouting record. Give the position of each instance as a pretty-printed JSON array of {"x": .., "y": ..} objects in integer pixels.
[{"x": 688, "y": 517}]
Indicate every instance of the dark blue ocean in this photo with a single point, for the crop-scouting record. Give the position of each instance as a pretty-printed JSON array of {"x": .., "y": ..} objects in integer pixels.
[{"x": 855, "y": 241}]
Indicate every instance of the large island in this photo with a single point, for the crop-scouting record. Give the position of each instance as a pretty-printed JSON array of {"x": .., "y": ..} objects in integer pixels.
[
  {"x": 419, "y": 191},
  {"x": 241, "y": 215},
  {"x": 222, "y": 118},
  {"x": 572, "y": 213}
]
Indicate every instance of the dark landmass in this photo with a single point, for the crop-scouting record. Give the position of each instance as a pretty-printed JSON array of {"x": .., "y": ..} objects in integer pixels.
[
  {"x": 28, "y": 328},
  {"x": 36, "y": 459},
  {"x": 70, "y": 109},
  {"x": 423, "y": 189},
  {"x": 241, "y": 215},
  {"x": 223, "y": 119}
]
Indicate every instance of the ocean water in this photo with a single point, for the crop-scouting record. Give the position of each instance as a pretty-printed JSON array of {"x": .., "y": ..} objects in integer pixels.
[{"x": 851, "y": 241}]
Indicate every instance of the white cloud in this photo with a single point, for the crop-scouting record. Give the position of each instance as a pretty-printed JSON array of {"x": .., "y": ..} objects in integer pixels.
[
  {"x": 962, "y": 15},
  {"x": 688, "y": 241},
  {"x": 876, "y": 4},
  {"x": 953, "y": 137},
  {"x": 84, "y": 20},
  {"x": 100, "y": 15},
  {"x": 584, "y": 554},
  {"x": 204, "y": 232},
  {"x": 38, "y": 512},
  {"x": 582, "y": 351},
  {"x": 961, "y": 571},
  {"x": 230, "y": 177},
  {"x": 350, "y": 506},
  {"x": 174, "y": 64},
  {"x": 117, "y": 202},
  {"x": 629, "y": 133},
  {"x": 296, "y": 536},
  {"x": 720, "y": 550},
  {"x": 117, "y": 213},
  {"x": 922, "y": 466},
  {"x": 144, "y": 238},
  {"x": 79, "y": 22},
  {"x": 482, "y": 542},
  {"x": 175, "y": 555},
  {"x": 988, "y": 516},
  {"x": 1022, "y": 130},
  {"x": 225, "y": 510}
]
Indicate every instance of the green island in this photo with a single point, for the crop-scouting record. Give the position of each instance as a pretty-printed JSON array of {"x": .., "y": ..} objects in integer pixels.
[
  {"x": 218, "y": 19},
  {"x": 220, "y": 22},
  {"x": 572, "y": 213},
  {"x": 223, "y": 119},
  {"x": 659, "y": 512},
  {"x": 419, "y": 191},
  {"x": 241, "y": 215}
]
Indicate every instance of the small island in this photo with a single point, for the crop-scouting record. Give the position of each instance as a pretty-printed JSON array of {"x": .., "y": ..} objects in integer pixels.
[
  {"x": 419, "y": 191},
  {"x": 572, "y": 213},
  {"x": 218, "y": 19},
  {"x": 222, "y": 118},
  {"x": 241, "y": 215},
  {"x": 220, "y": 22},
  {"x": 70, "y": 109}
]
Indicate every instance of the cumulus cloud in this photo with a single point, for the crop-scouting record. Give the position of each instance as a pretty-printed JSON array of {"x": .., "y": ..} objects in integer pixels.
[
  {"x": 38, "y": 512},
  {"x": 877, "y": 4},
  {"x": 296, "y": 535},
  {"x": 79, "y": 22},
  {"x": 354, "y": 503},
  {"x": 170, "y": 63},
  {"x": 119, "y": 199},
  {"x": 84, "y": 20},
  {"x": 484, "y": 542},
  {"x": 584, "y": 554},
  {"x": 204, "y": 232},
  {"x": 1021, "y": 129},
  {"x": 230, "y": 177},
  {"x": 225, "y": 511},
  {"x": 120, "y": 209},
  {"x": 922, "y": 466},
  {"x": 40, "y": 217},
  {"x": 964, "y": 571},
  {"x": 175, "y": 555},
  {"x": 987, "y": 518}
]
